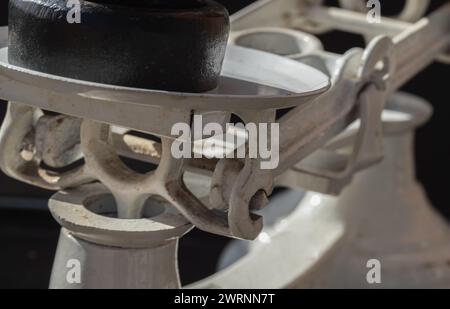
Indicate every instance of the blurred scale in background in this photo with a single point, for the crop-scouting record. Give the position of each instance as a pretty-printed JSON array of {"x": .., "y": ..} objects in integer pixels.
[{"x": 28, "y": 233}]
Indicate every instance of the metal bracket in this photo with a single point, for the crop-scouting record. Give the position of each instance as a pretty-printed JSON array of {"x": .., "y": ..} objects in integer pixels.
[{"x": 322, "y": 173}]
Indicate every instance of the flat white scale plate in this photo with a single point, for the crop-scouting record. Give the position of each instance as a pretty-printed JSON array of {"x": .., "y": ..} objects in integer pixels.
[{"x": 251, "y": 80}]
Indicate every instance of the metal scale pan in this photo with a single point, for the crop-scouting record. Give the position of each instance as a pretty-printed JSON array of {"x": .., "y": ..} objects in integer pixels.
[{"x": 251, "y": 80}]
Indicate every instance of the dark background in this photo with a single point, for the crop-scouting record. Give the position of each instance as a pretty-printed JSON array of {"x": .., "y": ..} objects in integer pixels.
[{"x": 28, "y": 237}]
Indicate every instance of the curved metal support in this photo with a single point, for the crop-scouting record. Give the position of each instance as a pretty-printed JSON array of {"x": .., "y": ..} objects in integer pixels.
[
  {"x": 131, "y": 189},
  {"x": 17, "y": 152}
]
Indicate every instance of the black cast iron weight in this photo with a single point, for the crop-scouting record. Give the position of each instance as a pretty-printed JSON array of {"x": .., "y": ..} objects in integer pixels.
[{"x": 173, "y": 45}]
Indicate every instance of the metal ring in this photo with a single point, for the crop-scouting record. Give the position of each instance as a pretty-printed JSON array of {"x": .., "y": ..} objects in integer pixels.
[
  {"x": 280, "y": 41},
  {"x": 73, "y": 210}
]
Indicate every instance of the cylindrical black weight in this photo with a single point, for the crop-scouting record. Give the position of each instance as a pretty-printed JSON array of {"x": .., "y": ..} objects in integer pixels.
[{"x": 174, "y": 45}]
